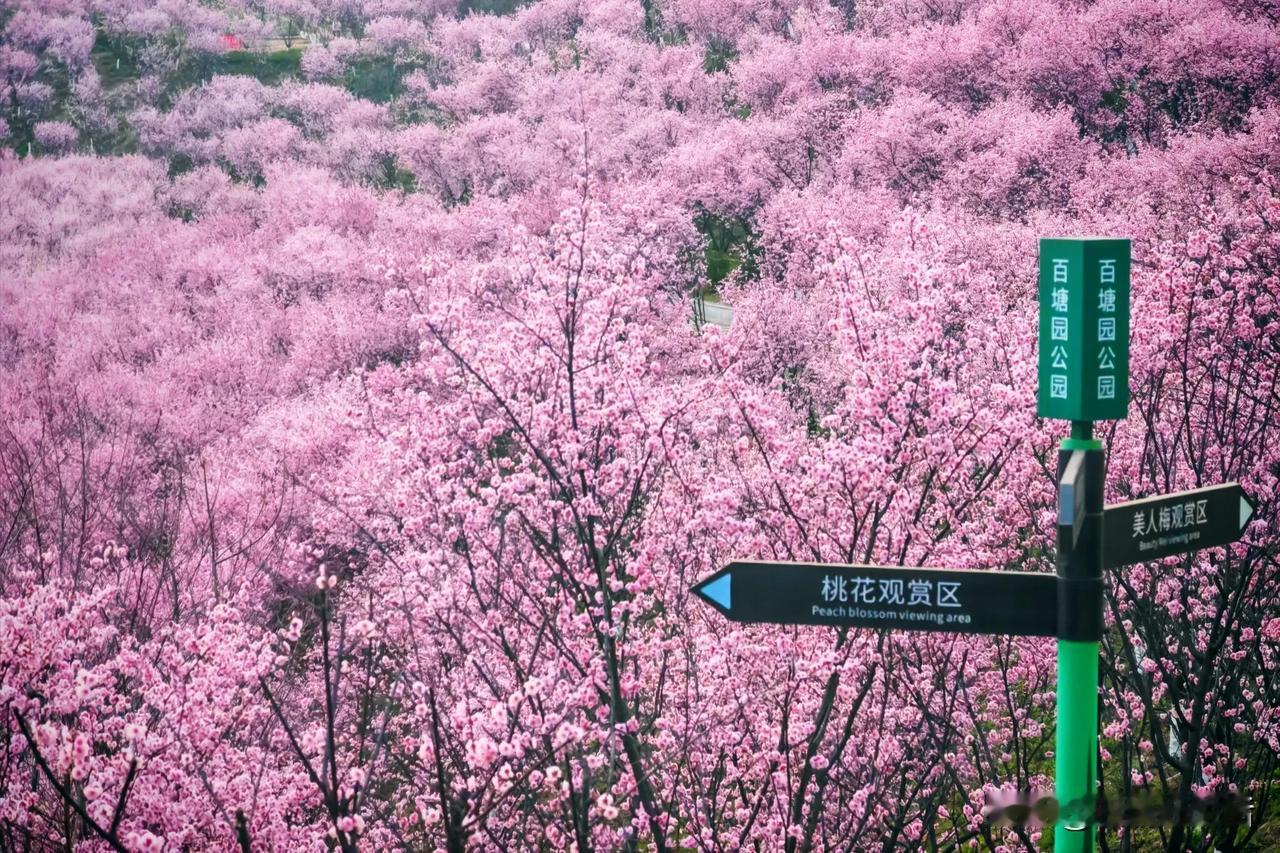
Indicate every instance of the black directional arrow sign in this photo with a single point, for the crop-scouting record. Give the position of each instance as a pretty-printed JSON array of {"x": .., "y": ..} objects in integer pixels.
[
  {"x": 1164, "y": 525},
  {"x": 968, "y": 602},
  {"x": 1071, "y": 495}
]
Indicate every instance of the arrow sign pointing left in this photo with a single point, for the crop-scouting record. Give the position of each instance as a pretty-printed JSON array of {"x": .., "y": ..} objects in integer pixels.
[{"x": 968, "y": 602}]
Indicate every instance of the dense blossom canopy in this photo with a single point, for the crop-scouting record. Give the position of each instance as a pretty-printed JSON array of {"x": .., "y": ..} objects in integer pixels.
[{"x": 359, "y": 443}]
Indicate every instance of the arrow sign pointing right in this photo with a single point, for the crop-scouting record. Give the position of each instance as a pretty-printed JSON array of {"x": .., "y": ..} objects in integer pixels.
[
  {"x": 1162, "y": 526},
  {"x": 967, "y": 602}
]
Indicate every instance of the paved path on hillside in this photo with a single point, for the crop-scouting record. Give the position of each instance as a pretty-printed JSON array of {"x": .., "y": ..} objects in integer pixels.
[{"x": 719, "y": 314}]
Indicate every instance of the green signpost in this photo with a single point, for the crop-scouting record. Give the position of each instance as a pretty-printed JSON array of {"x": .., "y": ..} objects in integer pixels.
[
  {"x": 1084, "y": 329},
  {"x": 1079, "y": 633},
  {"x": 1084, "y": 377}
]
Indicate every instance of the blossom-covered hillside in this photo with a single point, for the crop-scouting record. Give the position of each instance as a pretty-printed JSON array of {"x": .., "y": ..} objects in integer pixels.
[{"x": 361, "y": 433}]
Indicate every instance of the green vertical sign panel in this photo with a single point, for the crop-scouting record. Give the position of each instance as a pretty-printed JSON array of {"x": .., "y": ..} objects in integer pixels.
[{"x": 1084, "y": 329}]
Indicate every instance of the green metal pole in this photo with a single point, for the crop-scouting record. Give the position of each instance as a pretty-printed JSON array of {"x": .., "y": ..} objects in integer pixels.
[
  {"x": 1080, "y": 630},
  {"x": 1077, "y": 745}
]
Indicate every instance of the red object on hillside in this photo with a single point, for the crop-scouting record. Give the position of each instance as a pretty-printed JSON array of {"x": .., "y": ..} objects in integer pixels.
[{"x": 232, "y": 42}]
